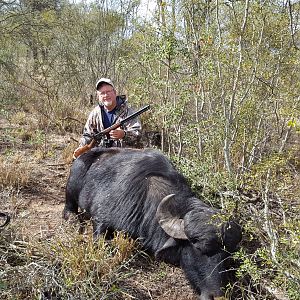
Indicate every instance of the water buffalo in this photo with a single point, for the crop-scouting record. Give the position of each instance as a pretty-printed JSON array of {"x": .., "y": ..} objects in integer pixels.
[{"x": 140, "y": 192}]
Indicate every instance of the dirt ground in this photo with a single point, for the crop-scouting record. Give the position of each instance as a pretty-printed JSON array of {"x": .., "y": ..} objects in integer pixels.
[{"x": 41, "y": 206}]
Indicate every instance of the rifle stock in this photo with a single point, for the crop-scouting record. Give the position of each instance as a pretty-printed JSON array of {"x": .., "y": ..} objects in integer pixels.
[{"x": 84, "y": 149}]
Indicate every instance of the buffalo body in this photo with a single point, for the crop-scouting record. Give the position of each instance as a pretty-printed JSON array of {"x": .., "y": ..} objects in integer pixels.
[{"x": 140, "y": 192}]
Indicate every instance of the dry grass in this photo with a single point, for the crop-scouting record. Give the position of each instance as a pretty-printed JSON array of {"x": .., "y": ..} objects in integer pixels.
[
  {"x": 83, "y": 259},
  {"x": 67, "y": 152},
  {"x": 20, "y": 118},
  {"x": 15, "y": 171},
  {"x": 67, "y": 266}
]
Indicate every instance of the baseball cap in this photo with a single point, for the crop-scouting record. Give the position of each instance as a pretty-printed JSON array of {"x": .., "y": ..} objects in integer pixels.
[{"x": 104, "y": 80}]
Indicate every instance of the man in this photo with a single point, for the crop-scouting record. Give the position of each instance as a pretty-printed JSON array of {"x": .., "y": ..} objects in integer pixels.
[{"x": 111, "y": 109}]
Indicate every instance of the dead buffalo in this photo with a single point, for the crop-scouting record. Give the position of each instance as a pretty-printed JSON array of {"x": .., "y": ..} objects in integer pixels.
[{"x": 141, "y": 193}]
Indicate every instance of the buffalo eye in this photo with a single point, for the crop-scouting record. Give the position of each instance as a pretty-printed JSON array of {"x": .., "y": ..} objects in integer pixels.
[{"x": 194, "y": 240}]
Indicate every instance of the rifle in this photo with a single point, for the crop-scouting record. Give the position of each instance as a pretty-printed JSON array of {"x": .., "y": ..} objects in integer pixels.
[{"x": 98, "y": 136}]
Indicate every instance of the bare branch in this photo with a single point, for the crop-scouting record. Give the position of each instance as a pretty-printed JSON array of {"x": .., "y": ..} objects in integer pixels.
[{"x": 291, "y": 25}]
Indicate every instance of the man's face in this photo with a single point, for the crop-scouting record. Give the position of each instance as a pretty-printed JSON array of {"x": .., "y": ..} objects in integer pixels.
[{"x": 107, "y": 95}]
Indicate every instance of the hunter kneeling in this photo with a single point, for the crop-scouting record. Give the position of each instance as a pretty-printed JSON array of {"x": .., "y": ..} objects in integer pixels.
[{"x": 112, "y": 123}]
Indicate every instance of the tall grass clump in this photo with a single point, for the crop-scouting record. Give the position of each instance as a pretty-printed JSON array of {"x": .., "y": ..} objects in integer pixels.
[
  {"x": 66, "y": 266},
  {"x": 15, "y": 171}
]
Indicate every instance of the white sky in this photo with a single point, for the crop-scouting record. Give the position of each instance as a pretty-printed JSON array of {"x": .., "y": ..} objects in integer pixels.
[{"x": 147, "y": 7}]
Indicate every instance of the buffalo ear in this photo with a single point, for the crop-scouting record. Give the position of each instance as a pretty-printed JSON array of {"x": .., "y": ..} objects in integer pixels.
[
  {"x": 170, "y": 252},
  {"x": 231, "y": 235}
]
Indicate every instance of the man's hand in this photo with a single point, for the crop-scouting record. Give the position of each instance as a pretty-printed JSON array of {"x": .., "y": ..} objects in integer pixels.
[{"x": 117, "y": 134}]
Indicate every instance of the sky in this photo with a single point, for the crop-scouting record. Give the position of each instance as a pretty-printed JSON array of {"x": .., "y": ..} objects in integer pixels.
[{"x": 146, "y": 9}]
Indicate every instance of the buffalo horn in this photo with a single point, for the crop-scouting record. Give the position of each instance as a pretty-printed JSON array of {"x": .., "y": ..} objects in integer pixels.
[
  {"x": 168, "y": 218},
  {"x": 4, "y": 215}
]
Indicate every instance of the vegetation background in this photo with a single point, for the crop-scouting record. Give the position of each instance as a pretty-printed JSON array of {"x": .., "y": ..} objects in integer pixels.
[{"x": 223, "y": 80}]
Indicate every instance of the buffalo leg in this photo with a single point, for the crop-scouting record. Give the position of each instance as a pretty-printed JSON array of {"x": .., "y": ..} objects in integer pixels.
[
  {"x": 99, "y": 229},
  {"x": 67, "y": 212},
  {"x": 71, "y": 205}
]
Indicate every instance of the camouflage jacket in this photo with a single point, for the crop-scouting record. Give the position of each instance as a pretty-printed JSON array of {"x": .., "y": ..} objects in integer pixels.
[{"x": 94, "y": 124}]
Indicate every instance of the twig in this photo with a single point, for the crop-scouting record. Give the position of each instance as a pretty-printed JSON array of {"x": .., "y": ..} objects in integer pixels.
[
  {"x": 73, "y": 119},
  {"x": 71, "y": 138},
  {"x": 268, "y": 223},
  {"x": 56, "y": 165}
]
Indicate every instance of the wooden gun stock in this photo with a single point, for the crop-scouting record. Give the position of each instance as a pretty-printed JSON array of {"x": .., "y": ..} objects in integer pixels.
[{"x": 84, "y": 149}]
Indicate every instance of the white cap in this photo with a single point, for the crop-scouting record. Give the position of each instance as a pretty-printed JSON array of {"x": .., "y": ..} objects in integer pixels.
[{"x": 104, "y": 80}]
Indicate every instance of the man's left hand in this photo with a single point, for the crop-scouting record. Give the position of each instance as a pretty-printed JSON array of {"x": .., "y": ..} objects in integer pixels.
[{"x": 117, "y": 134}]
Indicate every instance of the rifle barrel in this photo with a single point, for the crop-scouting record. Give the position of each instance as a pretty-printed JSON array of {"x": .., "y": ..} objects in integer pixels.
[
  {"x": 116, "y": 125},
  {"x": 137, "y": 113}
]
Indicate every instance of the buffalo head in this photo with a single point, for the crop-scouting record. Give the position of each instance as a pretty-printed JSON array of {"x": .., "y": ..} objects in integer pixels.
[{"x": 199, "y": 242}]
